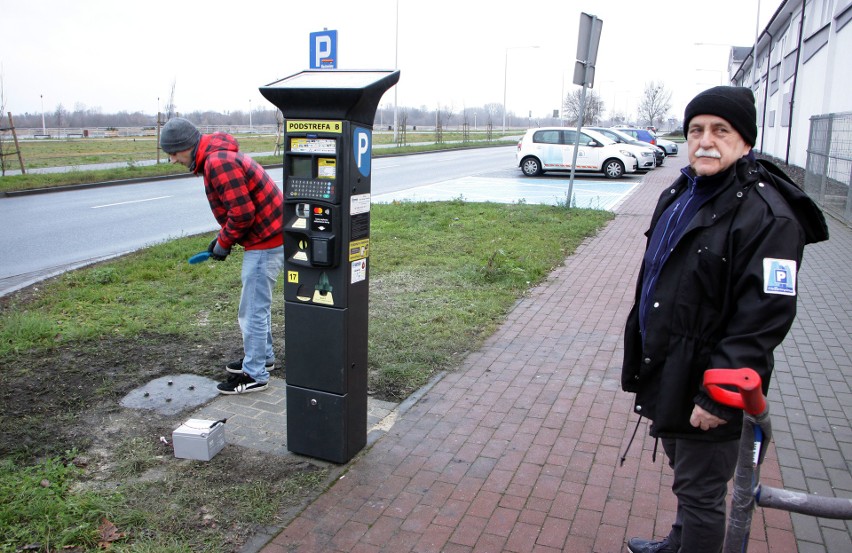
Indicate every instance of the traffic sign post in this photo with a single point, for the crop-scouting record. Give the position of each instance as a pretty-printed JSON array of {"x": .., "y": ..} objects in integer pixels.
[
  {"x": 328, "y": 120},
  {"x": 584, "y": 75}
]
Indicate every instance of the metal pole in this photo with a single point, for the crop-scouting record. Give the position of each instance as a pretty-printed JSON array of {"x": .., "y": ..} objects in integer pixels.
[
  {"x": 505, "y": 72},
  {"x": 505, "y": 79},
  {"x": 582, "y": 114},
  {"x": 754, "y": 50},
  {"x": 43, "y": 129},
  {"x": 396, "y": 88}
]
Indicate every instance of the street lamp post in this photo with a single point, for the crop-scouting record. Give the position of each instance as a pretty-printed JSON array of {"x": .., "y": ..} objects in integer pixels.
[
  {"x": 43, "y": 128},
  {"x": 396, "y": 88},
  {"x": 505, "y": 78},
  {"x": 250, "y": 127}
]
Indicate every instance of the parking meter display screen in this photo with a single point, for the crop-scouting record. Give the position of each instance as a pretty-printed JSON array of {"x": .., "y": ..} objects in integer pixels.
[{"x": 301, "y": 167}]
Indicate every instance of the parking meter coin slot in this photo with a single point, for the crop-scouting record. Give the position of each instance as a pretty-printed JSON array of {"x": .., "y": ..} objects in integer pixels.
[{"x": 300, "y": 256}]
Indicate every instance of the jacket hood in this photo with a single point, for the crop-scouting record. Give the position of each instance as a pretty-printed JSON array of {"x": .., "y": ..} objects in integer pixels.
[
  {"x": 216, "y": 142},
  {"x": 808, "y": 214}
]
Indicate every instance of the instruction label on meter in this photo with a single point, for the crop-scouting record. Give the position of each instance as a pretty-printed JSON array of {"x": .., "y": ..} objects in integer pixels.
[
  {"x": 359, "y": 271},
  {"x": 359, "y": 203},
  {"x": 313, "y": 145}
]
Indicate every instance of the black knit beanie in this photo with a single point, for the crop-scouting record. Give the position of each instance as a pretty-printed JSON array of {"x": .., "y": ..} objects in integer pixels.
[
  {"x": 178, "y": 135},
  {"x": 734, "y": 104}
]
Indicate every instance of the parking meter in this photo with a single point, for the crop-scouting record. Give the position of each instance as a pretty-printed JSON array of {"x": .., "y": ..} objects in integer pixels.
[{"x": 328, "y": 121}]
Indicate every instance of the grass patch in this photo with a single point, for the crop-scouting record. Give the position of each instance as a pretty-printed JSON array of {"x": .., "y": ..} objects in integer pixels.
[
  {"x": 39, "y": 510},
  {"x": 443, "y": 277}
]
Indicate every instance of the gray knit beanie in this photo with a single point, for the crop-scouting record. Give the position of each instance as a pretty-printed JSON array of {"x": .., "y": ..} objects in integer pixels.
[
  {"x": 734, "y": 104},
  {"x": 178, "y": 135}
]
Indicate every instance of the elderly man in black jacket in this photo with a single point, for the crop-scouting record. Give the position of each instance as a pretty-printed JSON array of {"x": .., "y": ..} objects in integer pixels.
[{"x": 717, "y": 289}]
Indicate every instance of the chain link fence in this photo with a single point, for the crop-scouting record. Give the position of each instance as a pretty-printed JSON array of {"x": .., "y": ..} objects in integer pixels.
[{"x": 828, "y": 175}]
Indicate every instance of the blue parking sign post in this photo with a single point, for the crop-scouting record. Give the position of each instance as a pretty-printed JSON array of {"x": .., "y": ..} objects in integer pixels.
[{"x": 323, "y": 50}]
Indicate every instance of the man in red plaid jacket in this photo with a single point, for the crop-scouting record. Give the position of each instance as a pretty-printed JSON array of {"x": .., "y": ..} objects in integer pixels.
[{"x": 248, "y": 206}]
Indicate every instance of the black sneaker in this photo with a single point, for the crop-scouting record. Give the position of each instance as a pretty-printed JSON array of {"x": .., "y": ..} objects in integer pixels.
[
  {"x": 638, "y": 545},
  {"x": 241, "y": 384},
  {"x": 236, "y": 367}
]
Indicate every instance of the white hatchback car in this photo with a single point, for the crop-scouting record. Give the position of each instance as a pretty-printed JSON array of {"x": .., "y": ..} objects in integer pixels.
[{"x": 552, "y": 149}]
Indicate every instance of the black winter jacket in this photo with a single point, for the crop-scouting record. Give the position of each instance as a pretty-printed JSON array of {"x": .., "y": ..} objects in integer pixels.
[{"x": 712, "y": 307}]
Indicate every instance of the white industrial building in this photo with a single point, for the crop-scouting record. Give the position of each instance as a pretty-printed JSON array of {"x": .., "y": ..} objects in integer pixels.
[
  {"x": 804, "y": 69},
  {"x": 801, "y": 83}
]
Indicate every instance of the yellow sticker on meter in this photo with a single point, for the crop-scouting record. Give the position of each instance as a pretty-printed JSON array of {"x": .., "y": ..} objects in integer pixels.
[
  {"x": 315, "y": 126},
  {"x": 359, "y": 249}
]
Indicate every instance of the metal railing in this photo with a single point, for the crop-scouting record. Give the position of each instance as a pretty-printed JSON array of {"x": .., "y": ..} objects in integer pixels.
[{"x": 828, "y": 174}]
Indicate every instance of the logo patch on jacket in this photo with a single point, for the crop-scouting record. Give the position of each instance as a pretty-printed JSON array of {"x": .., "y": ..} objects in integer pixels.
[{"x": 779, "y": 276}]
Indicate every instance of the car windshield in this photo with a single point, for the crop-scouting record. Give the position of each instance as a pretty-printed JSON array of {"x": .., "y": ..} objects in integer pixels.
[
  {"x": 623, "y": 136},
  {"x": 606, "y": 141}
]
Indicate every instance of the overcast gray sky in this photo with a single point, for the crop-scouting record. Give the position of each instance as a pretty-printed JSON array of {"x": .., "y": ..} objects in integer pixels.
[{"x": 119, "y": 55}]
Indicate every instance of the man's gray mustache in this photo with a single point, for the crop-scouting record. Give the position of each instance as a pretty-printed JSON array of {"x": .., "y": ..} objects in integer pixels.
[{"x": 701, "y": 152}]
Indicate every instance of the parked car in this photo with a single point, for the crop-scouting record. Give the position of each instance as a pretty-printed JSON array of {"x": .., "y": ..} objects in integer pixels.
[
  {"x": 667, "y": 145},
  {"x": 552, "y": 149},
  {"x": 640, "y": 134},
  {"x": 658, "y": 154}
]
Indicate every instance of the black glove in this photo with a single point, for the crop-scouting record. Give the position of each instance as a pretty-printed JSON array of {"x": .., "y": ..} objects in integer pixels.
[{"x": 216, "y": 251}]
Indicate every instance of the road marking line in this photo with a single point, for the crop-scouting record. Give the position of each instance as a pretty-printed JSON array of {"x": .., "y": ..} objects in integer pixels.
[{"x": 131, "y": 202}]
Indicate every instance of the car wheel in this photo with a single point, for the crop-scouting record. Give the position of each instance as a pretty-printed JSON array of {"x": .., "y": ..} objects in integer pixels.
[
  {"x": 613, "y": 169},
  {"x": 531, "y": 167}
]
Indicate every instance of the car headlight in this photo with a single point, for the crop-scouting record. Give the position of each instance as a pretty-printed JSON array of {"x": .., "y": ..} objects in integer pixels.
[{"x": 625, "y": 153}]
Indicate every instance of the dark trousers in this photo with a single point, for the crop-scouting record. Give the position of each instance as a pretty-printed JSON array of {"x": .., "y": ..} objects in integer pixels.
[{"x": 702, "y": 471}]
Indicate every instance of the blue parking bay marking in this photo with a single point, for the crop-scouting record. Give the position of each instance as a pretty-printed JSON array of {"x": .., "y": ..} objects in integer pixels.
[{"x": 595, "y": 194}]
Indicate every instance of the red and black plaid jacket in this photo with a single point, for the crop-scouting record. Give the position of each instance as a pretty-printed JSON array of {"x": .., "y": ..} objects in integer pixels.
[{"x": 244, "y": 199}]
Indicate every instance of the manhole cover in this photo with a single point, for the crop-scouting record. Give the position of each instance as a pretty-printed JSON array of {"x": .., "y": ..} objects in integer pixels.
[{"x": 170, "y": 395}]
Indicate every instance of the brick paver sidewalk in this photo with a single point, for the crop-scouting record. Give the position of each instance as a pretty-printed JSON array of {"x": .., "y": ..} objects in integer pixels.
[{"x": 519, "y": 449}]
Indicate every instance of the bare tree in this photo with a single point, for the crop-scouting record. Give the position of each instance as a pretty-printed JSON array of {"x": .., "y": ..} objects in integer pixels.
[
  {"x": 655, "y": 105},
  {"x": 445, "y": 114},
  {"x": 170, "y": 105},
  {"x": 593, "y": 107},
  {"x": 494, "y": 111},
  {"x": 61, "y": 115}
]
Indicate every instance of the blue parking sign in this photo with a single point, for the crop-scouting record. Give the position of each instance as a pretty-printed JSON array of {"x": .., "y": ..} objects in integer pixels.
[
  {"x": 362, "y": 149},
  {"x": 323, "y": 50}
]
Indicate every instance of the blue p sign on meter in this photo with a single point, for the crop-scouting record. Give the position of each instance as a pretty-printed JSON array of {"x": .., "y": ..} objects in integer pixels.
[
  {"x": 323, "y": 50},
  {"x": 361, "y": 150}
]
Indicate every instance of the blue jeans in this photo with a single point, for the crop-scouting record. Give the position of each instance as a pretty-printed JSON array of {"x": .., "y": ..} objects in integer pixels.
[{"x": 259, "y": 274}]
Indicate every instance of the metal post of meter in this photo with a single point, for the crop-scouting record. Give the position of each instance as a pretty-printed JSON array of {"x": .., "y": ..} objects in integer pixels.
[{"x": 587, "y": 23}]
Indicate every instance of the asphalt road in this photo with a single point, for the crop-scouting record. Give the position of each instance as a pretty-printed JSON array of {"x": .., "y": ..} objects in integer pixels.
[{"x": 47, "y": 234}]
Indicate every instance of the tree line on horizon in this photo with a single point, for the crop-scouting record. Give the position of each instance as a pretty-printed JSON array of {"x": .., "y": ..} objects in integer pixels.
[{"x": 653, "y": 110}]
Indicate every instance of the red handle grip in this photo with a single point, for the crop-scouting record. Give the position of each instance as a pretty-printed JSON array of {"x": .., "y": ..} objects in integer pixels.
[{"x": 749, "y": 394}]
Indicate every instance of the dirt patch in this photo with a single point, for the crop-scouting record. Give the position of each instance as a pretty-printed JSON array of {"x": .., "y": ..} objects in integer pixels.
[{"x": 68, "y": 399}]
